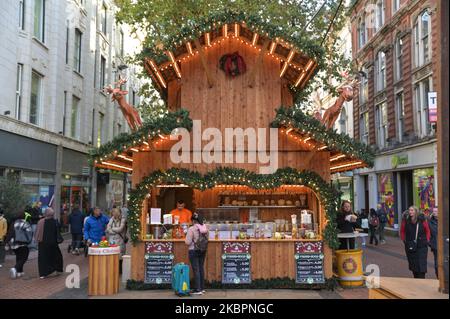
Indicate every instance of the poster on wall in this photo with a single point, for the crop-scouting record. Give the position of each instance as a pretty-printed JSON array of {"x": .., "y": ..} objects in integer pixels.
[
  {"x": 424, "y": 196},
  {"x": 386, "y": 196},
  {"x": 46, "y": 194}
]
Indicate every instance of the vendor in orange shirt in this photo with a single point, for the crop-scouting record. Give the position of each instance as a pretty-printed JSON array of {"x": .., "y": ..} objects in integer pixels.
[{"x": 183, "y": 214}]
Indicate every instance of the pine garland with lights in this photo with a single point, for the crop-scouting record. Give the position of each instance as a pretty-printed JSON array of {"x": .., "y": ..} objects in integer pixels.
[
  {"x": 295, "y": 118},
  {"x": 234, "y": 176},
  {"x": 150, "y": 130}
]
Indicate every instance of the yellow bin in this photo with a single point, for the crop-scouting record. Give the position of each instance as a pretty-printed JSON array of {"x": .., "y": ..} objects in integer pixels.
[{"x": 349, "y": 267}]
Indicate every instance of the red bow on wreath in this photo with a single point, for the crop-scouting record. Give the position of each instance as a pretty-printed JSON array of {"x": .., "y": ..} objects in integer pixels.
[{"x": 232, "y": 64}]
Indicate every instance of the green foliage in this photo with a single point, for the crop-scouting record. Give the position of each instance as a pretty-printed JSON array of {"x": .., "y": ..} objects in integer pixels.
[
  {"x": 295, "y": 117},
  {"x": 303, "y": 23},
  {"x": 234, "y": 176},
  {"x": 13, "y": 197}
]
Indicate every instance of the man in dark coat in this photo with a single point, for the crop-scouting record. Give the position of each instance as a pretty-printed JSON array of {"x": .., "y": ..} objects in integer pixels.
[
  {"x": 433, "y": 224},
  {"x": 76, "y": 221},
  {"x": 346, "y": 223}
]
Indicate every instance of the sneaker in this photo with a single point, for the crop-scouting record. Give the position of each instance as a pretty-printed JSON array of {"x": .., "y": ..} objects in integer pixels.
[
  {"x": 20, "y": 274},
  {"x": 77, "y": 251},
  {"x": 13, "y": 273},
  {"x": 197, "y": 293},
  {"x": 42, "y": 277},
  {"x": 1, "y": 265},
  {"x": 203, "y": 290}
]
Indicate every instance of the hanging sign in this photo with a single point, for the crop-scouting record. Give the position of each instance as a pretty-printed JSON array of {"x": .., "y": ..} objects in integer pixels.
[{"x": 432, "y": 107}]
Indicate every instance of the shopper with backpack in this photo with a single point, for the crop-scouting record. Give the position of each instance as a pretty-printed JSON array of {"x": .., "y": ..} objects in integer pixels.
[
  {"x": 374, "y": 223},
  {"x": 197, "y": 241},
  {"x": 382, "y": 216},
  {"x": 19, "y": 237}
]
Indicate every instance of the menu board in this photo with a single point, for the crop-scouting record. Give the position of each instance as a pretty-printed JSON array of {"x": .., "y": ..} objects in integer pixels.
[
  {"x": 309, "y": 261},
  {"x": 236, "y": 265},
  {"x": 158, "y": 262}
]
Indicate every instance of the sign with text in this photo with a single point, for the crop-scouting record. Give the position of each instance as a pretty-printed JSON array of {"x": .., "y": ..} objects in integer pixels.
[
  {"x": 158, "y": 262},
  {"x": 432, "y": 106},
  {"x": 236, "y": 264},
  {"x": 309, "y": 262}
]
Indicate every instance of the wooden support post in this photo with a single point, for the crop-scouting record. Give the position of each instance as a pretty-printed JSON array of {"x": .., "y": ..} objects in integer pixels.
[
  {"x": 258, "y": 63},
  {"x": 209, "y": 75}
]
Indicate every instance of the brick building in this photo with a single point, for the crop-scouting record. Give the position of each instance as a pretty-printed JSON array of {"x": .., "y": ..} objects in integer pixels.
[{"x": 393, "y": 49}]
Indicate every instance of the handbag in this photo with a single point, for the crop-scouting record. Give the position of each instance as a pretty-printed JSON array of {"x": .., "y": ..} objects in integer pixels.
[{"x": 411, "y": 245}]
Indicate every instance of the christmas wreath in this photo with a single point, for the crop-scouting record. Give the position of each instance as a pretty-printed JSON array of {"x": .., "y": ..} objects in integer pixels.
[{"x": 232, "y": 64}]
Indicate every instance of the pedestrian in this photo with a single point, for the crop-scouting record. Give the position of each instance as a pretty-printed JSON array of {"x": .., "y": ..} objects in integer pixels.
[
  {"x": 95, "y": 227},
  {"x": 415, "y": 234},
  {"x": 49, "y": 237},
  {"x": 3, "y": 232},
  {"x": 36, "y": 214},
  {"x": 19, "y": 237},
  {"x": 76, "y": 221},
  {"x": 374, "y": 223},
  {"x": 346, "y": 223},
  {"x": 197, "y": 241},
  {"x": 116, "y": 232},
  {"x": 382, "y": 216},
  {"x": 364, "y": 221},
  {"x": 433, "y": 223},
  {"x": 124, "y": 211}
]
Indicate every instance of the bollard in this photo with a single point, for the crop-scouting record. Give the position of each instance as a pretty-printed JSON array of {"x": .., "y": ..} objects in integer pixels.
[{"x": 126, "y": 268}]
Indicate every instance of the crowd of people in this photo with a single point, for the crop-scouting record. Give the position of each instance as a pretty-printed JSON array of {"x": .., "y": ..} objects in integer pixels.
[
  {"x": 38, "y": 229},
  {"x": 417, "y": 231}
]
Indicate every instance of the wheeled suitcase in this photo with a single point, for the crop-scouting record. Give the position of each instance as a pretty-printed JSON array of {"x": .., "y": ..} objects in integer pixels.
[{"x": 180, "y": 279}]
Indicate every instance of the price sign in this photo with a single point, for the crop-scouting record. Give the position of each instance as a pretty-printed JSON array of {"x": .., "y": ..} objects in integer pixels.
[
  {"x": 309, "y": 261},
  {"x": 158, "y": 262},
  {"x": 236, "y": 263}
]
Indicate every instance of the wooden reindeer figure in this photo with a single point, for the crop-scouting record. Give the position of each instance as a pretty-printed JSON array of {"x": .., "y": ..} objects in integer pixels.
[
  {"x": 129, "y": 112},
  {"x": 332, "y": 113}
]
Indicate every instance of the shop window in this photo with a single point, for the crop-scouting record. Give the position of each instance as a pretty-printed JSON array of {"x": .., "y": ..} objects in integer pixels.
[
  {"x": 381, "y": 124},
  {"x": 47, "y": 178},
  {"x": 39, "y": 20},
  {"x": 400, "y": 114},
  {"x": 421, "y": 89},
  {"x": 386, "y": 196},
  {"x": 30, "y": 177},
  {"x": 424, "y": 194},
  {"x": 422, "y": 35}
]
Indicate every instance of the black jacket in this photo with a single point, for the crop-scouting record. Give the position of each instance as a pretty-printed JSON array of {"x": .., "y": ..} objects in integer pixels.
[
  {"x": 433, "y": 223},
  {"x": 343, "y": 225}
]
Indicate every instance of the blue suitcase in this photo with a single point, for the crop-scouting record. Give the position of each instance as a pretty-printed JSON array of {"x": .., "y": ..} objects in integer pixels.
[{"x": 180, "y": 279}]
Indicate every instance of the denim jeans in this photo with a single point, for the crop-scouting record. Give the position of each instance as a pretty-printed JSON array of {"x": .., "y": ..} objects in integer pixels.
[
  {"x": 2, "y": 252},
  {"x": 381, "y": 231},
  {"x": 197, "y": 260},
  {"x": 76, "y": 240}
]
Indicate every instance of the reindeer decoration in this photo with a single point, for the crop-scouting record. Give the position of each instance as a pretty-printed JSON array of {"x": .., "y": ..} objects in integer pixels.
[
  {"x": 129, "y": 112},
  {"x": 332, "y": 113}
]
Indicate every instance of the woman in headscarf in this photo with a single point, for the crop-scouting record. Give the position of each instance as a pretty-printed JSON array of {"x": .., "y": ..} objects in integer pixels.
[{"x": 48, "y": 237}]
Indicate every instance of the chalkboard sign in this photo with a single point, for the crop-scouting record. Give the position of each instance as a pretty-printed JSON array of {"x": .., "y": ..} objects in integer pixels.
[
  {"x": 309, "y": 268},
  {"x": 158, "y": 268},
  {"x": 236, "y": 269}
]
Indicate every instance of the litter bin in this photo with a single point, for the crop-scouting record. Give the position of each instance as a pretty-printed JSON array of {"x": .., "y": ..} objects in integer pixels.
[
  {"x": 349, "y": 267},
  {"x": 103, "y": 270}
]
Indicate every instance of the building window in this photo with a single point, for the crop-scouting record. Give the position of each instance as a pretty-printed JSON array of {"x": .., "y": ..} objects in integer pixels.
[
  {"x": 102, "y": 72},
  {"x": 74, "y": 114},
  {"x": 103, "y": 14},
  {"x": 381, "y": 124},
  {"x": 19, "y": 78},
  {"x": 39, "y": 20},
  {"x": 121, "y": 43},
  {"x": 379, "y": 18},
  {"x": 22, "y": 14},
  {"x": 395, "y": 5},
  {"x": 421, "y": 89},
  {"x": 343, "y": 122},
  {"x": 400, "y": 114},
  {"x": 64, "y": 114},
  {"x": 422, "y": 34},
  {"x": 364, "y": 127},
  {"x": 35, "y": 100},
  {"x": 77, "y": 51},
  {"x": 67, "y": 42},
  {"x": 363, "y": 86},
  {"x": 101, "y": 119},
  {"x": 380, "y": 74},
  {"x": 362, "y": 32},
  {"x": 398, "y": 59}
]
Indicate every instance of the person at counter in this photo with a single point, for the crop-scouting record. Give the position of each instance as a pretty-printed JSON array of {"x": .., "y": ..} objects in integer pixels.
[
  {"x": 181, "y": 214},
  {"x": 346, "y": 223}
]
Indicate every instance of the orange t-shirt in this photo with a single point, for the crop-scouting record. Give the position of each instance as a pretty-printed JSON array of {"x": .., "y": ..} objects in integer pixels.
[{"x": 185, "y": 215}]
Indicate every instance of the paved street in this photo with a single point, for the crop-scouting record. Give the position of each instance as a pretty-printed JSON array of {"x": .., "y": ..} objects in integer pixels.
[{"x": 390, "y": 258}]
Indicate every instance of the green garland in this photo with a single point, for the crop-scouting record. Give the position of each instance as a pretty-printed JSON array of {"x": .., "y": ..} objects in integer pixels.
[
  {"x": 149, "y": 130},
  {"x": 194, "y": 29},
  {"x": 234, "y": 176},
  {"x": 297, "y": 119},
  {"x": 274, "y": 283}
]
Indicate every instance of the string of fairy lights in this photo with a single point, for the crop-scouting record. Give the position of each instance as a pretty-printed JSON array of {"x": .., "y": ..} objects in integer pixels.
[{"x": 328, "y": 195}]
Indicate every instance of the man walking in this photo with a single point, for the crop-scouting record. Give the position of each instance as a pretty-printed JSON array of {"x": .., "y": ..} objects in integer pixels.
[{"x": 382, "y": 216}]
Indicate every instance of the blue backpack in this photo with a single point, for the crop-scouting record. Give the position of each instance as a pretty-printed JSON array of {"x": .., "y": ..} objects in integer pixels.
[{"x": 180, "y": 279}]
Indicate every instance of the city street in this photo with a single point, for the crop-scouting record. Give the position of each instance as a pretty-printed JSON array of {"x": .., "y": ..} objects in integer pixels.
[{"x": 390, "y": 257}]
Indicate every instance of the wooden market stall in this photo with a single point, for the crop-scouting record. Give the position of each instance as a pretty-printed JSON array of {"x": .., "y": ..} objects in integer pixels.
[{"x": 235, "y": 75}]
